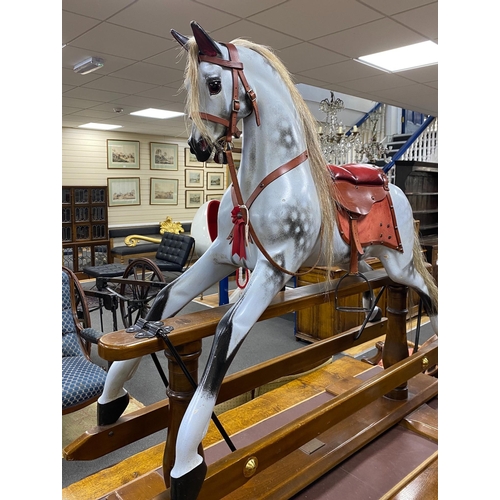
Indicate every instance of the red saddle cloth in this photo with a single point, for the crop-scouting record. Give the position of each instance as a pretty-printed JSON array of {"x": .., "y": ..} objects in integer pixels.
[{"x": 362, "y": 195}]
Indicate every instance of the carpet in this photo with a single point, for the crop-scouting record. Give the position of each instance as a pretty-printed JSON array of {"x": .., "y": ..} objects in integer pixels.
[{"x": 77, "y": 423}]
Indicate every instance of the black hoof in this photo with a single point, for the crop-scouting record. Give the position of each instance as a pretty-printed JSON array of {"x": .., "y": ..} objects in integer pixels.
[
  {"x": 109, "y": 413},
  {"x": 188, "y": 486}
]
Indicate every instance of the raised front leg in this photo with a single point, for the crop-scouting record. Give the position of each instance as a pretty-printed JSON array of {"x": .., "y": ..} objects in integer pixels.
[
  {"x": 189, "y": 470},
  {"x": 171, "y": 299}
]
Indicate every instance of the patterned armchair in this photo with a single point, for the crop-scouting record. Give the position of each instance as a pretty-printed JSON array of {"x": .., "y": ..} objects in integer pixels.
[{"x": 82, "y": 379}]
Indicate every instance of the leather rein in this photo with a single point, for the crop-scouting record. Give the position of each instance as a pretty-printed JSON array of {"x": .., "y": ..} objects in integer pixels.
[{"x": 241, "y": 212}]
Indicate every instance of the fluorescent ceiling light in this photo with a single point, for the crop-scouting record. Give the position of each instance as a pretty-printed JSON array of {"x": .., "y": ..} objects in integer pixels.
[
  {"x": 404, "y": 58},
  {"x": 88, "y": 65},
  {"x": 100, "y": 126},
  {"x": 157, "y": 113}
]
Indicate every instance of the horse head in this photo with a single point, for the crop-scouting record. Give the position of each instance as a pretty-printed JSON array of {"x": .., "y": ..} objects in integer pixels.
[{"x": 218, "y": 94}]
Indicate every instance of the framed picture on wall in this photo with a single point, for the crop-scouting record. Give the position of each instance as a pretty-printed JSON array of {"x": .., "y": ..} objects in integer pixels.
[
  {"x": 190, "y": 159},
  {"x": 123, "y": 154},
  {"x": 194, "y": 178},
  {"x": 213, "y": 196},
  {"x": 163, "y": 156},
  {"x": 215, "y": 180},
  {"x": 124, "y": 191},
  {"x": 194, "y": 199},
  {"x": 164, "y": 191}
]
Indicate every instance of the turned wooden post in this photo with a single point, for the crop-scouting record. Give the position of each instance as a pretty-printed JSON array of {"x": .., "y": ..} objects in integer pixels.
[
  {"x": 179, "y": 393},
  {"x": 396, "y": 344}
]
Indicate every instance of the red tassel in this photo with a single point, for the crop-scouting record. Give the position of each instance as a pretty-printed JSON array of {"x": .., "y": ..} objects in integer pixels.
[{"x": 239, "y": 233}]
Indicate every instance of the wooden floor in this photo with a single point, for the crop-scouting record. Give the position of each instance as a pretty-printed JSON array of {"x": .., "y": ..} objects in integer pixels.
[{"x": 413, "y": 440}]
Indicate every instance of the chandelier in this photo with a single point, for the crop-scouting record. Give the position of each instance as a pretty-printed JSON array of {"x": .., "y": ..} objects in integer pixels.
[
  {"x": 337, "y": 145},
  {"x": 341, "y": 146},
  {"x": 373, "y": 151}
]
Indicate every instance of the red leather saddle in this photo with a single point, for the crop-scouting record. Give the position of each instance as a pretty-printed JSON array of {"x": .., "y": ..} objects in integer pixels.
[{"x": 365, "y": 214}]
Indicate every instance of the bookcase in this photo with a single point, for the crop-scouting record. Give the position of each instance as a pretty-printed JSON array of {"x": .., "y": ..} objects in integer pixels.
[{"x": 85, "y": 237}]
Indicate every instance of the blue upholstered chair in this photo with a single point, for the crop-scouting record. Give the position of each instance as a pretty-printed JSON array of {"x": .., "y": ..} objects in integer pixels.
[{"x": 82, "y": 379}]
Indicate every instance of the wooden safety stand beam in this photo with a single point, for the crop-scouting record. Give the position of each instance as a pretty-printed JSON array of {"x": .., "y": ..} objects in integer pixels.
[
  {"x": 228, "y": 474},
  {"x": 114, "y": 346}
]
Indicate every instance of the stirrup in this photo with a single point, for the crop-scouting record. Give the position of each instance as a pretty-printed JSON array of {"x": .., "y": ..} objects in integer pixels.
[
  {"x": 364, "y": 310},
  {"x": 368, "y": 311}
]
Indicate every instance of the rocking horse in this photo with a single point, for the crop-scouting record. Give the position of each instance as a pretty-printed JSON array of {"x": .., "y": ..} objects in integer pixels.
[{"x": 285, "y": 210}]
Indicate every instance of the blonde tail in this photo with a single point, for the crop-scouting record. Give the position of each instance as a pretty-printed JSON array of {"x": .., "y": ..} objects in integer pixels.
[{"x": 420, "y": 266}]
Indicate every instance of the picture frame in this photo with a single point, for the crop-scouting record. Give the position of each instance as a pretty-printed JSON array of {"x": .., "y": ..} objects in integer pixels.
[
  {"x": 123, "y": 154},
  {"x": 124, "y": 191},
  {"x": 193, "y": 178},
  {"x": 214, "y": 196},
  {"x": 163, "y": 156},
  {"x": 163, "y": 191},
  {"x": 194, "y": 198},
  {"x": 215, "y": 180},
  {"x": 190, "y": 159}
]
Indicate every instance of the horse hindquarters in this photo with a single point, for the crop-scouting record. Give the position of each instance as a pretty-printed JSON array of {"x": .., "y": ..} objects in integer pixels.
[{"x": 408, "y": 268}]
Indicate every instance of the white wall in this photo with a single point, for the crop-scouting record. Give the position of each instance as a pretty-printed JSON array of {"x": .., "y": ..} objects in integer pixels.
[{"x": 84, "y": 163}]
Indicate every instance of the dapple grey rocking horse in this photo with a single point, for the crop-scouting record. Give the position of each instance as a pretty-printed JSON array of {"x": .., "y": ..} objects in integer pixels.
[{"x": 282, "y": 212}]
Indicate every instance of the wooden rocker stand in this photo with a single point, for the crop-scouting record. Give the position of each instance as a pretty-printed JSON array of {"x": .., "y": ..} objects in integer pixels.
[{"x": 324, "y": 417}]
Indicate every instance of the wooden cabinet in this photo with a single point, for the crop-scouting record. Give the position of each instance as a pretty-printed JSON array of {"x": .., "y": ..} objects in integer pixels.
[
  {"x": 419, "y": 182},
  {"x": 85, "y": 238},
  {"x": 320, "y": 322}
]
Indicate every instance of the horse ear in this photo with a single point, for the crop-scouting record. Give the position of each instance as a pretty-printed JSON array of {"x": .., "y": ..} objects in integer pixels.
[
  {"x": 180, "y": 38},
  {"x": 206, "y": 44}
]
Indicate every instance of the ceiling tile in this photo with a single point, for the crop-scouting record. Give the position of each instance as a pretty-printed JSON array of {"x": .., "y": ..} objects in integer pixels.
[
  {"x": 78, "y": 103},
  {"x": 172, "y": 58},
  {"x": 123, "y": 42},
  {"x": 165, "y": 93},
  {"x": 415, "y": 96},
  {"x": 74, "y": 25},
  {"x": 254, "y": 33},
  {"x": 394, "y": 6},
  {"x": 305, "y": 56},
  {"x": 121, "y": 85},
  {"x": 342, "y": 72},
  {"x": 423, "y": 20},
  {"x": 315, "y": 18},
  {"x": 150, "y": 73},
  {"x": 93, "y": 94},
  {"x": 243, "y": 9},
  {"x": 364, "y": 40},
  {"x": 421, "y": 75},
  {"x": 95, "y": 8},
  {"x": 158, "y": 18},
  {"x": 373, "y": 83}
]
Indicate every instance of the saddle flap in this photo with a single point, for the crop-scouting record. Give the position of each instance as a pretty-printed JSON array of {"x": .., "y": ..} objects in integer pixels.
[
  {"x": 359, "y": 186},
  {"x": 358, "y": 199}
]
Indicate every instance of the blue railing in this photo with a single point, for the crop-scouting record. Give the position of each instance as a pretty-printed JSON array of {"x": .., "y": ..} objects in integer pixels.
[{"x": 408, "y": 143}]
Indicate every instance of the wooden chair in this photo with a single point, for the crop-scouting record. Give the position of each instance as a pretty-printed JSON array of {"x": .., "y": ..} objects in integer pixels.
[{"x": 82, "y": 379}]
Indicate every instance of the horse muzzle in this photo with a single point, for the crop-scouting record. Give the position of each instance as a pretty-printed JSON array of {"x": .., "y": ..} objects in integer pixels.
[{"x": 201, "y": 149}]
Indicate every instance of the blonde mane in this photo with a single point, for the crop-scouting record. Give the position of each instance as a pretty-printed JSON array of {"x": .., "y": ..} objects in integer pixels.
[{"x": 319, "y": 172}]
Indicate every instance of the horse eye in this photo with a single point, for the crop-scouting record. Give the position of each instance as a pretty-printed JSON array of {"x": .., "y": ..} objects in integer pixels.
[{"x": 214, "y": 86}]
